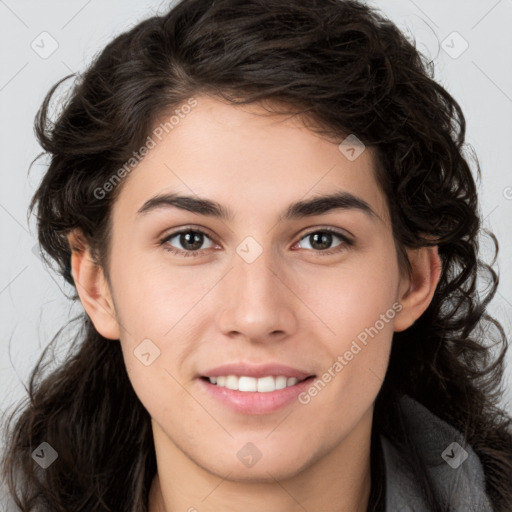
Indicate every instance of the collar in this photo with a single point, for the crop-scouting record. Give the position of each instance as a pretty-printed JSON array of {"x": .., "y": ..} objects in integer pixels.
[{"x": 455, "y": 470}]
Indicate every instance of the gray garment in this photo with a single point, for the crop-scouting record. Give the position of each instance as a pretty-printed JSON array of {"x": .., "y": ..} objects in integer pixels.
[
  {"x": 462, "y": 487},
  {"x": 458, "y": 479}
]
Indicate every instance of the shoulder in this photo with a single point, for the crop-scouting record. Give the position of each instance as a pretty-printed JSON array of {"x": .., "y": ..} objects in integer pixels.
[
  {"x": 6, "y": 501},
  {"x": 453, "y": 466}
]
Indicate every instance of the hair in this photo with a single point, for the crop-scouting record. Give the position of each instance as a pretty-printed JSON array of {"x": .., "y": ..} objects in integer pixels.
[{"x": 343, "y": 68}]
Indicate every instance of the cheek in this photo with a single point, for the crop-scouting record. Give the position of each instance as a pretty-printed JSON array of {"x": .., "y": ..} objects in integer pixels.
[
  {"x": 157, "y": 306},
  {"x": 152, "y": 295},
  {"x": 352, "y": 297},
  {"x": 357, "y": 303}
]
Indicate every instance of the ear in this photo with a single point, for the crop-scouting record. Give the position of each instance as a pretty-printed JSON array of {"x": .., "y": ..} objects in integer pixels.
[
  {"x": 92, "y": 287},
  {"x": 416, "y": 291}
]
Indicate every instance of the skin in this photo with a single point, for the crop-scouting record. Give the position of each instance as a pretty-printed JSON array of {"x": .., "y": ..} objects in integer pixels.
[{"x": 291, "y": 305}]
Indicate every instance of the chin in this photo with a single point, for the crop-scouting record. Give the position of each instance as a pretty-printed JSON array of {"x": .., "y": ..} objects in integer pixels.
[{"x": 265, "y": 470}]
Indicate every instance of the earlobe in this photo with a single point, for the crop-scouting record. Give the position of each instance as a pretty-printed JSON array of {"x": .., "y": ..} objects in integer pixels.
[
  {"x": 92, "y": 287},
  {"x": 416, "y": 293}
]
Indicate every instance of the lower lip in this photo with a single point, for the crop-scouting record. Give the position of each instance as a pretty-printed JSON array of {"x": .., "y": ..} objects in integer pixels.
[{"x": 253, "y": 402}]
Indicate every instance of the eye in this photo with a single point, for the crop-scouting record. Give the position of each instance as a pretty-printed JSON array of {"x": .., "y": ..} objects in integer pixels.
[
  {"x": 190, "y": 239},
  {"x": 321, "y": 240}
]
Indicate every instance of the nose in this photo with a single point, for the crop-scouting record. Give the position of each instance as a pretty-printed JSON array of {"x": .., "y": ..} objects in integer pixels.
[{"x": 258, "y": 302}]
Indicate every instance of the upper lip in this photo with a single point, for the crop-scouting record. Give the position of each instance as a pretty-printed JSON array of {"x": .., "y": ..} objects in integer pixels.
[{"x": 252, "y": 370}]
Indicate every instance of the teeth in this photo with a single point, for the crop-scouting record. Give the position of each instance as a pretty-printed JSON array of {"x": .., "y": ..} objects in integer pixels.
[
  {"x": 281, "y": 382},
  {"x": 266, "y": 384},
  {"x": 261, "y": 385},
  {"x": 246, "y": 383},
  {"x": 231, "y": 382}
]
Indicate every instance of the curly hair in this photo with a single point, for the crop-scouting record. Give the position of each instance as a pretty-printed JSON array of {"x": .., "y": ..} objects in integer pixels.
[{"x": 344, "y": 68}]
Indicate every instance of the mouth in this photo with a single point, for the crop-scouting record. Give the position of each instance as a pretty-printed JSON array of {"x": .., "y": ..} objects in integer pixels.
[
  {"x": 255, "y": 395},
  {"x": 247, "y": 384},
  {"x": 251, "y": 388}
]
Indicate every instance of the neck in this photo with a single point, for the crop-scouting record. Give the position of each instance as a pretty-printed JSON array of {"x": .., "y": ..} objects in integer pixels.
[{"x": 342, "y": 476}]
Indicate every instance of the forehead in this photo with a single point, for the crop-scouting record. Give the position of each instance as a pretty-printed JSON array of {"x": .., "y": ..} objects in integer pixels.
[{"x": 248, "y": 159}]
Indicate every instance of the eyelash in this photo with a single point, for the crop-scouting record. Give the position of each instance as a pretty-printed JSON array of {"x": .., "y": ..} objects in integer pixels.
[{"x": 346, "y": 242}]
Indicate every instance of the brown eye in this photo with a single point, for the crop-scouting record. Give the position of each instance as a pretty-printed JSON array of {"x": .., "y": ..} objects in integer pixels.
[
  {"x": 190, "y": 240},
  {"x": 322, "y": 240}
]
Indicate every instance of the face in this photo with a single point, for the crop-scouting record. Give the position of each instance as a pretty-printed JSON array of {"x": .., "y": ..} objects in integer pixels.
[{"x": 313, "y": 289}]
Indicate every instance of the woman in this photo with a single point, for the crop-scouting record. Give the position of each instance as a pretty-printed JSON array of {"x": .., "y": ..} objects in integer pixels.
[{"x": 268, "y": 218}]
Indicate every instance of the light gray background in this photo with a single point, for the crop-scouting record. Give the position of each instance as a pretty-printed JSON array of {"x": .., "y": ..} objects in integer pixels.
[{"x": 32, "y": 304}]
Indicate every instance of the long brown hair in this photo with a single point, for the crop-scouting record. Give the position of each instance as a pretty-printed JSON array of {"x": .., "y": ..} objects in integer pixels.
[{"x": 348, "y": 69}]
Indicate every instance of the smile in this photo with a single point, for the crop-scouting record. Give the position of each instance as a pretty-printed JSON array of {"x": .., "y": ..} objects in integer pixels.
[{"x": 247, "y": 384}]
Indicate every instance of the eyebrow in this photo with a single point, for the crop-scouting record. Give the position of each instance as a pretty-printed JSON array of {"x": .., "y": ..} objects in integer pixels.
[{"x": 298, "y": 210}]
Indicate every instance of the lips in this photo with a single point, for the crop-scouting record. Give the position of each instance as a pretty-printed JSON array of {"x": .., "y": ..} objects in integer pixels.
[
  {"x": 262, "y": 402},
  {"x": 264, "y": 398},
  {"x": 257, "y": 371}
]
